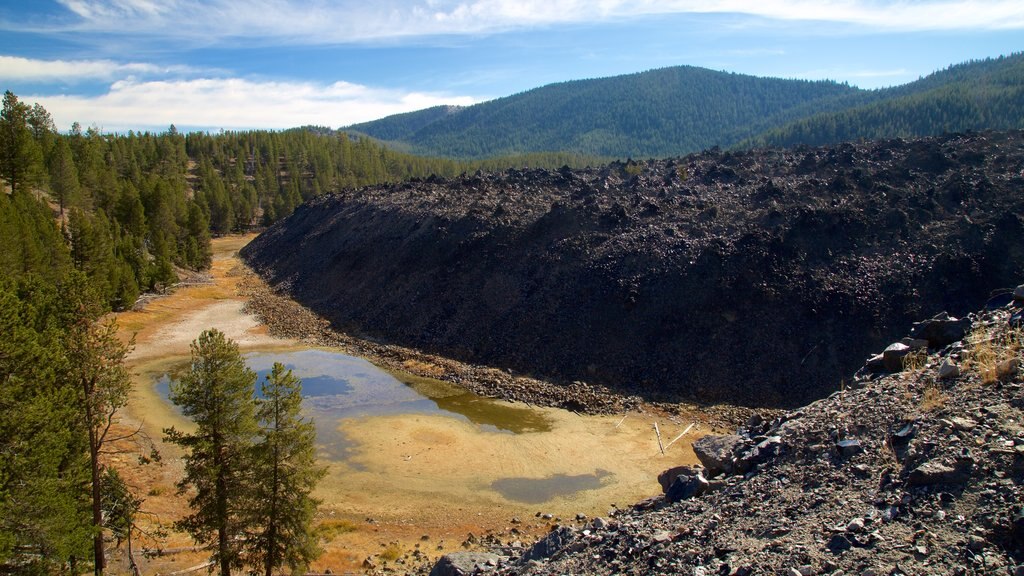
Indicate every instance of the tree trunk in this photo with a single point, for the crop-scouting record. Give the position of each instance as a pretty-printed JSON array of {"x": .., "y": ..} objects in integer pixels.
[{"x": 99, "y": 561}]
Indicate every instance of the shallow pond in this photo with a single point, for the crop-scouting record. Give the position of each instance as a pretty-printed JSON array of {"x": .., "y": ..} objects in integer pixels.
[{"x": 336, "y": 386}]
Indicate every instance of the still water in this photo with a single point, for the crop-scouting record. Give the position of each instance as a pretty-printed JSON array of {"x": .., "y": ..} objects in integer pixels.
[{"x": 336, "y": 386}]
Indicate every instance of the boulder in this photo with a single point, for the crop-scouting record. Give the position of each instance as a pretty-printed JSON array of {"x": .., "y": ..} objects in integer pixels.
[
  {"x": 892, "y": 357},
  {"x": 1018, "y": 295},
  {"x": 718, "y": 452},
  {"x": 686, "y": 486},
  {"x": 875, "y": 364},
  {"x": 669, "y": 476},
  {"x": 948, "y": 370},
  {"x": 463, "y": 563},
  {"x": 942, "y": 330}
]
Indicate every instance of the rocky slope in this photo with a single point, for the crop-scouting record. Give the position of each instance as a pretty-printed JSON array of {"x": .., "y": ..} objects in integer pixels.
[
  {"x": 760, "y": 277},
  {"x": 916, "y": 472}
]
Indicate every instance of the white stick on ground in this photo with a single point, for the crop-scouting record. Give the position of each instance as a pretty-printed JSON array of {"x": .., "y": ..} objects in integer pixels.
[
  {"x": 680, "y": 435},
  {"x": 658, "y": 432}
]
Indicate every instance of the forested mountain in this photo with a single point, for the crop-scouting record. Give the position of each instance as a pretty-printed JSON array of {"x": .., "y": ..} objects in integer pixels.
[
  {"x": 985, "y": 94},
  {"x": 685, "y": 109}
]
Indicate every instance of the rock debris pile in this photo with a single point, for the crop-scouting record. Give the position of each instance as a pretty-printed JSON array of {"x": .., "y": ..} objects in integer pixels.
[
  {"x": 758, "y": 278},
  {"x": 909, "y": 472}
]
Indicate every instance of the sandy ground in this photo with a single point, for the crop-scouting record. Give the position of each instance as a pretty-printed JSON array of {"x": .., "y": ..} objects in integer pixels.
[{"x": 414, "y": 484}]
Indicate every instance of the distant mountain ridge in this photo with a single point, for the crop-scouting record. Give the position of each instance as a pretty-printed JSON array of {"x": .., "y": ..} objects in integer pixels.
[{"x": 674, "y": 111}]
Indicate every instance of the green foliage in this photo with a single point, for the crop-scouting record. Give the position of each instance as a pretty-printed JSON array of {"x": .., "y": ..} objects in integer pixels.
[
  {"x": 284, "y": 475},
  {"x": 250, "y": 466},
  {"x": 656, "y": 113},
  {"x": 120, "y": 505},
  {"x": 51, "y": 353},
  {"x": 685, "y": 109},
  {"x": 21, "y": 156},
  {"x": 984, "y": 94},
  {"x": 217, "y": 394}
]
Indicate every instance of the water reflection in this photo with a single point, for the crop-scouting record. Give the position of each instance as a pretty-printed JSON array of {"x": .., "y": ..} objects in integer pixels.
[{"x": 336, "y": 386}]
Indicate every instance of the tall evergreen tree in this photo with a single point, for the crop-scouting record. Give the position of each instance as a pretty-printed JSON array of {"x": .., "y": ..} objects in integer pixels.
[
  {"x": 44, "y": 520},
  {"x": 284, "y": 475},
  {"x": 96, "y": 371},
  {"x": 217, "y": 394},
  {"x": 21, "y": 158}
]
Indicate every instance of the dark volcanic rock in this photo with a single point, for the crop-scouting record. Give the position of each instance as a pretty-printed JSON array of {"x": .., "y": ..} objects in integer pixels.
[
  {"x": 465, "y": 563},
  {"x": 759, "y": 277},
  {"x": 719, "y": 454},
  {"x": 934, "y": 484}
]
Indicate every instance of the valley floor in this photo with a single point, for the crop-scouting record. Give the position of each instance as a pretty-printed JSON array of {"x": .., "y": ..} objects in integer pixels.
[{"x": 415, "y": 488}]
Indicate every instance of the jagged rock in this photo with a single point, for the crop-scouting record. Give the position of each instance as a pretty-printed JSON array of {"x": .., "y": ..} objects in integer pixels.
[
  {"x": 838, "y": 543},
  {"x": 962, "y": 424},
  {"x": 1007, "y": 369},
  {"x": 856, "y": 525},
  {"x": 848, "y": 448},
  {"x": 686, "y": 486},
  {"x": 1016, "y": 320},
  {"x": 718, "y": 452},
  {"x": 550, "y": 544},
  {"x": 892, "y": 357},
  {"x": 976, "y": 543},
  {"x": 1017, "y": 525},
  {"x": 876, "y": 363},
  {"x": 948, "y": 370},
  {"x": 669, "y": 476},
  {"x": 915, "y": 344},
  {"x": 464, "y": 563},
  {"x": 942, "y": 330},
  {"x": 940, "y": 473}
]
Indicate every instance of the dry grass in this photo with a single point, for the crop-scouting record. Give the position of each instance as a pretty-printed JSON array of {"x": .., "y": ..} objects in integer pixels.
[
  {"x": 915, "y": 360},
  {"x": 391, "y": 552},
  {"x": 993, "y": 353},
  {"x": 933, "y": 398},
  {"x": 330, "y": 529}
]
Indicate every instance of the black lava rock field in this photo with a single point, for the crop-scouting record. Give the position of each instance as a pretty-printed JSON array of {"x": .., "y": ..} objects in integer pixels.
[{"x": 761, "y": 277}]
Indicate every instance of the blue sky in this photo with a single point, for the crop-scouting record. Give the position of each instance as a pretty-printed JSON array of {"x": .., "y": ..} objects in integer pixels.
[{"x": 239, "y": 64}]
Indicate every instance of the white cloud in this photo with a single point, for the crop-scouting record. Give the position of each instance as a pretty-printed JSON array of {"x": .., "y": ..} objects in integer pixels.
[
  {"x": 342, "y": 21},
  {"x": 234, "y": 104},
  {"x": 13, "y": 68}
]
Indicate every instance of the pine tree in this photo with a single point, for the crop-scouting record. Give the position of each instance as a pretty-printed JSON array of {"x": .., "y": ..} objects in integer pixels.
[
  {"x": 285, "y": 474},
  {"x": 21, "y": 158},
  {"x": 217, "y": 394},
  {"x": 96, "y": 371}
]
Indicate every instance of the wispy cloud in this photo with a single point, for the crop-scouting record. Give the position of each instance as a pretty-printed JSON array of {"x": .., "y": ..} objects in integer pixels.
[
  {"x": 13, "y": 68},
  {"x": 234, "y": 104},
  {"x": 346, "y": 21}
]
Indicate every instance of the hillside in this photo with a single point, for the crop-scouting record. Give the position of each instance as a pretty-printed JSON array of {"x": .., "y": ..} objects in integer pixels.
[
  {"x": 652, "y": 113},
  {"x": 915, "y": 472},
  {"x": 759, "y": 278},
  {"x": 984, "y": 94},
  {"x": 685, "y": 109}
]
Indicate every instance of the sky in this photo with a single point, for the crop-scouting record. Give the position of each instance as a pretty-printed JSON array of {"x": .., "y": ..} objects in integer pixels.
[{"x": 121, "y": 65}]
